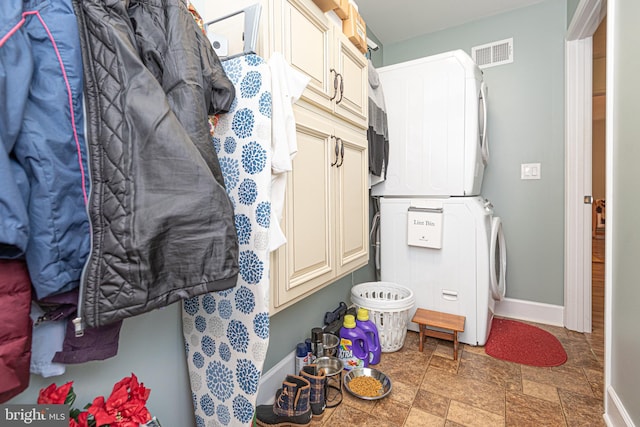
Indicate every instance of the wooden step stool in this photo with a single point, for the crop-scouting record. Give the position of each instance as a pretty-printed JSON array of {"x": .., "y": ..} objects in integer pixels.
[{"x": 427, "y": 319}]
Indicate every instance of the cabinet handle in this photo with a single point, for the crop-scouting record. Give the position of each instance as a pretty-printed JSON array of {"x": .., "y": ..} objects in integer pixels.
[
  {"x": 337, "y": 150},
  {"x": 341, "y": 88},
  {"x": 335, "y": 84},
  {"x": 341, "y": 152}
]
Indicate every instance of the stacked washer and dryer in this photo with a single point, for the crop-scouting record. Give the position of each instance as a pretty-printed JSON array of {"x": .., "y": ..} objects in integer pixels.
[{"x": 438, "y": 235}]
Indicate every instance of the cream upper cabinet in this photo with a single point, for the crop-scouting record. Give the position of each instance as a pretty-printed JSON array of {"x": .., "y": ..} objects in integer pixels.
[
  {"x": 352, "y": 101},
  {"x": 316, "y": 47},
  {"x": 306, "y": 39},
  {"x": 326, "y": 208}
]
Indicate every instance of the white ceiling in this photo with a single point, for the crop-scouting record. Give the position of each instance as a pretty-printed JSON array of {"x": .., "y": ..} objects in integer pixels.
[{"x": 396, "y": 20}]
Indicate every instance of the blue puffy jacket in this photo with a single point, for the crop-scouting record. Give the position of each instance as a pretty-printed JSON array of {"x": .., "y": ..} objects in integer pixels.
[{"x": 43, "y": 169}]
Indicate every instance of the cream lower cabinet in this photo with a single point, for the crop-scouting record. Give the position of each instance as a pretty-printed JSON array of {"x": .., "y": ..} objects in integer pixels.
[{"x": 326, "y": 215}]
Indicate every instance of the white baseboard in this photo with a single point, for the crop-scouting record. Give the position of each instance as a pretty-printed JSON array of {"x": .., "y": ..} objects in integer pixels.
[
  {"x": 271, "y": 381},
  {"x": 615, "y": 413},
  {"x": 548, "y": 314}
]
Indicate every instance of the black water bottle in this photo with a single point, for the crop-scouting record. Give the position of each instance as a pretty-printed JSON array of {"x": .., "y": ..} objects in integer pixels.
[{"x": 316, "y": 342}]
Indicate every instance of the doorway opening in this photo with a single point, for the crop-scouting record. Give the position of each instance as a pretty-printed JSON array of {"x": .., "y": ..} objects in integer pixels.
[
  {"x": 598, "y": 190},
  {"x": 578, "y": 156}
]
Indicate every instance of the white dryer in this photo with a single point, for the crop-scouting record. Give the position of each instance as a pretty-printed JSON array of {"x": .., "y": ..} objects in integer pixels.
[
  {"x": 436, "y": 114},
  {"x": 464, "y": 276}
]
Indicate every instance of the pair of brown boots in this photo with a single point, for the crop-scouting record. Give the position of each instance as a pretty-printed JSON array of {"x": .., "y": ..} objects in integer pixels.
[{"x": 300, "y": 398}]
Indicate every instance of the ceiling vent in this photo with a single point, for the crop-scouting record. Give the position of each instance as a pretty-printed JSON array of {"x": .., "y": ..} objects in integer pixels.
[{"x": 492, "y": 54}]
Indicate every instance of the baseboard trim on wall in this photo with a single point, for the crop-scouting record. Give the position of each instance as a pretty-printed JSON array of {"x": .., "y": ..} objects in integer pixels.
[
  {"x": 615, "y": 413},
  {"x": 531, "y": 311},
  {"x": 271, "y": 381}
]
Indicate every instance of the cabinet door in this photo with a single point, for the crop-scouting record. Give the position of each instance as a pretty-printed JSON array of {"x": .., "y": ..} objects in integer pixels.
[
  {"x": 306, "y": 38},
  {"x": 352, "y": 102},
  {"x": 307, "y": 260},
  {"x": 352, "y": 203}
]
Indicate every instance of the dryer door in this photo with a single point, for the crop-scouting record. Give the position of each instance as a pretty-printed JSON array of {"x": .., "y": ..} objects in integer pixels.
[{"x": 498, "y": 260}]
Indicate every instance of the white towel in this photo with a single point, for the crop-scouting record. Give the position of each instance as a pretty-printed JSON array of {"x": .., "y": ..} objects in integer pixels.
[{"x": 287, "y": 85}]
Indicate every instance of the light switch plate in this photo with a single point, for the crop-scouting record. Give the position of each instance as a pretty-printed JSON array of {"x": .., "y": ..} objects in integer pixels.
[{"x": 530, "y": 171}]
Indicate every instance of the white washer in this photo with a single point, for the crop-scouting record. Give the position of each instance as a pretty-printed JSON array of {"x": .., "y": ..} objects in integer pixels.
[{"x": 466, "y": 276}]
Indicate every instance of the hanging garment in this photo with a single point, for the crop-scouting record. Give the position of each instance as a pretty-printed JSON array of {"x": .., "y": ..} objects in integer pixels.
[
  {"x": 44, "y": 185},
  {"x": 15, "y": 337},
  {"x": 226, "y": 333},
  {"x": 287, "y": 85},
  {"x": 55, "y": 343},
  {"x": 162, "y": 225},
  {"x": 161, "y": 53},
  {"x": 378, "y": 132},
  {"x": 97, "y": 343},
  {"x": 47, "y": 339}
]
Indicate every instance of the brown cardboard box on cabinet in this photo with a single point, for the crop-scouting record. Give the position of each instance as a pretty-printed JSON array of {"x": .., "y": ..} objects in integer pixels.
[
  {"x": 355, "y": 29},
  {"x": 327, "y": 5},
  {"x": 342, "y": 10}
]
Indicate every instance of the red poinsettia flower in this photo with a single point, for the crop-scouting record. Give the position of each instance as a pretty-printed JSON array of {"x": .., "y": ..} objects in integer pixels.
[
  {"x": 83, "y": 420},
  {"x": 125, "y": 407},
  {"x": 54, "y": 395}
]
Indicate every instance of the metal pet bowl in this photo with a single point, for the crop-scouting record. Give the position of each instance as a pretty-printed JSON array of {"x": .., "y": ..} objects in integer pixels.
[
  {"x": 330, "y": 344},
  {"x": 368, "y": 372},
  {"x": 332, "y": 365},
  {"x": 333, "y": 387}
]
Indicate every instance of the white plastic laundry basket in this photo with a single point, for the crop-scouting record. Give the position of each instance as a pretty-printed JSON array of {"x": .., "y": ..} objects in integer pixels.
[{"x": 389, "y": 305}]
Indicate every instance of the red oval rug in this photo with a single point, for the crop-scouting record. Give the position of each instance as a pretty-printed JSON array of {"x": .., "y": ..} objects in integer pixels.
[{"x": 526, "y": 344}]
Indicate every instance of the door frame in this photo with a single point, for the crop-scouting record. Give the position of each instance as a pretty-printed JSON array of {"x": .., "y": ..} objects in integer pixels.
[{"x": 578, "y": 116}]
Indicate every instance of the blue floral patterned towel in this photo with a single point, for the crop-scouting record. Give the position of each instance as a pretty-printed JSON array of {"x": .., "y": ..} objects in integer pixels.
[{"x": 227, "y": 333}]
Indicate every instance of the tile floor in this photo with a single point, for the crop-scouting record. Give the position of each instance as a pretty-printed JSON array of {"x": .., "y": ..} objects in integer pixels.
[{"x": 431, "y": 389}]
